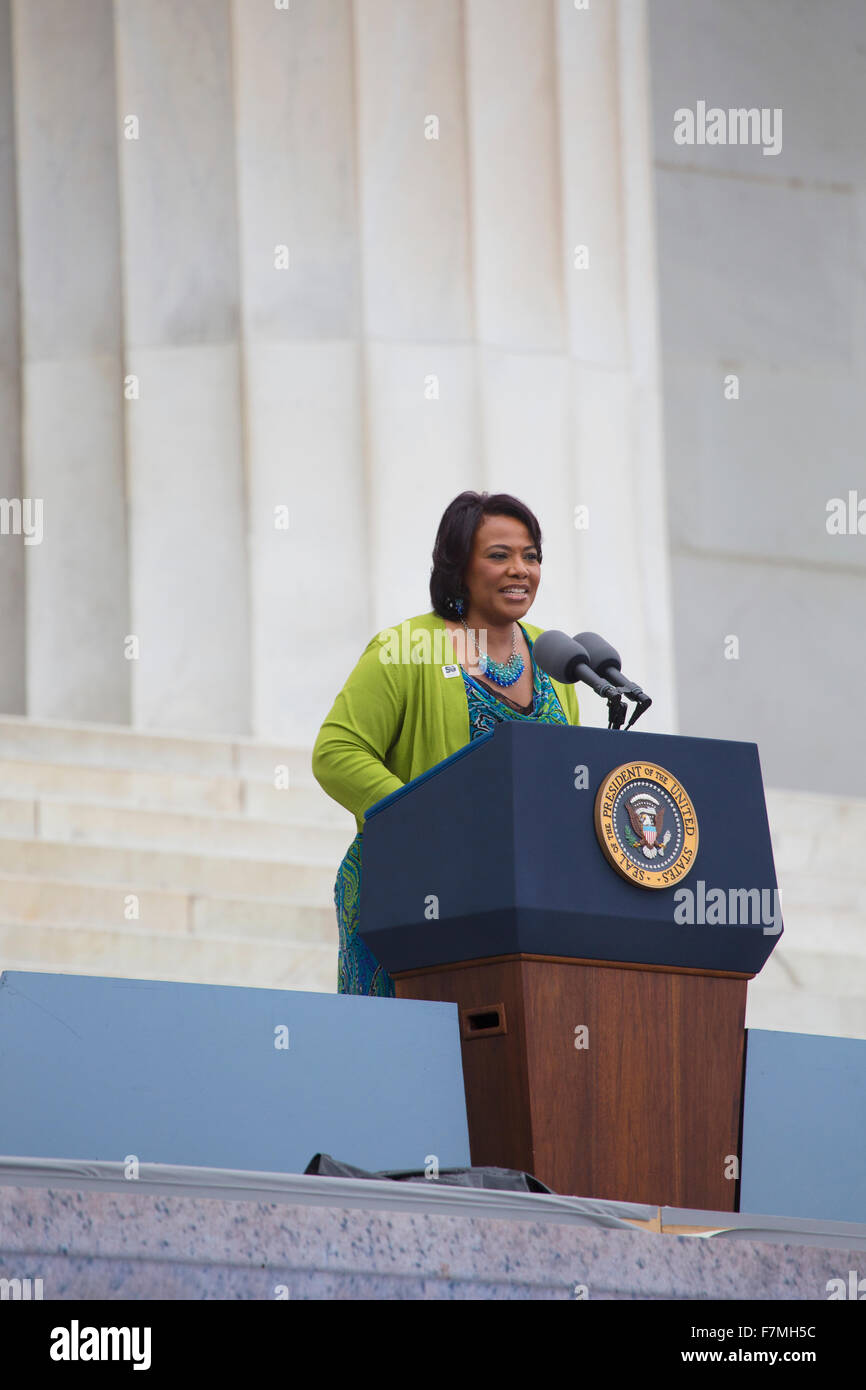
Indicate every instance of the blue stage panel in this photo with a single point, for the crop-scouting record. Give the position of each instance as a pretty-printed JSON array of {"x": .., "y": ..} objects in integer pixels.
[
  {"x": 95, "y": 1068},
  {"x": 804, "y": 1126}
]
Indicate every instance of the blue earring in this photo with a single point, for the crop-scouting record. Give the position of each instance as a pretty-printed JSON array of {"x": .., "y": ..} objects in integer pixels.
[{"x": 458, "y": 604}]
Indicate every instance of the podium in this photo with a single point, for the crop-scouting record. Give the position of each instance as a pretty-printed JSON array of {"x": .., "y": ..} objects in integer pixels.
[{"x": 601, "y": 995}]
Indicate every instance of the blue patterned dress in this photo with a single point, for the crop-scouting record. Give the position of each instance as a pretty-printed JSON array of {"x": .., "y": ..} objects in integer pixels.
[{"x": 358, "y": 971}]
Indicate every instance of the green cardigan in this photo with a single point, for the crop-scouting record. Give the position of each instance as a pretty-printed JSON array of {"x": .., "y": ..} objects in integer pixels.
[{"x": 396, "y": 718}]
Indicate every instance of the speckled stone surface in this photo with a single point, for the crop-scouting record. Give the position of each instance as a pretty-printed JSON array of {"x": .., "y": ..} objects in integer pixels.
[{"x": 134, "y": 1245}]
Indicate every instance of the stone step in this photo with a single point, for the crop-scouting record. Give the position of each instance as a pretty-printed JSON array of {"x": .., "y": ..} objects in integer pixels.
[
  {"x": 18, "y": 817},
  {"x": 299, "y": 801},
  {"x": 95, "y": 823},
  {"x": 147, "y": 955},
  {"x": 118, "y": 746},
  {"x": 302, "y": 800},
  {"x": 213, "y": 795},
  {"x": 143, "y": 870},
  {"x": 265, "y": 920},
  {"x": 54, "y": 902}
]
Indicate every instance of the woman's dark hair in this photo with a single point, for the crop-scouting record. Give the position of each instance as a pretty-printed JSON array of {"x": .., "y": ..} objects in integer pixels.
[{"x": 453, "y": 546}]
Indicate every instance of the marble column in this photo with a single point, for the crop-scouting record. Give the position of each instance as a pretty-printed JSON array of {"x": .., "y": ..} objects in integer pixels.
[
  {"x": 184, "y": 412},
  {"x": 620, "y": 559},
  {"x": 518, "y": 280},
  {"x": 421, "y": 379},
  {"x": 309, "y": 568},
  {"x": 72, "y": 433}
]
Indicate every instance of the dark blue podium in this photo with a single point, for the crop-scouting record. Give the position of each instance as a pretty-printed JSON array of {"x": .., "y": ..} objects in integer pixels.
[{"x": 595, "y": 903}]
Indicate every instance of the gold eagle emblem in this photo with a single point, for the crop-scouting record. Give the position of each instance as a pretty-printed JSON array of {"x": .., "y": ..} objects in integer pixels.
[{"x": 647, "y": 814}]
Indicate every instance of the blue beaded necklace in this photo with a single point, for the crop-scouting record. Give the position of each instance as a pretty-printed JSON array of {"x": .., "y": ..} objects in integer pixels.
[{"x": 503, "y": 673}]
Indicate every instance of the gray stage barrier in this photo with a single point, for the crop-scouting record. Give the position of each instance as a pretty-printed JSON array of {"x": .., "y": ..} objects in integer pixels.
[
  {"x": 225, "y": 1077},
  {"x": 804, "y": 1126}
]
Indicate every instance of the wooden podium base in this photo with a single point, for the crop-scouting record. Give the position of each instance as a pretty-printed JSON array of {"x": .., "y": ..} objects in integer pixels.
[{"x": 602, "y": 1079}]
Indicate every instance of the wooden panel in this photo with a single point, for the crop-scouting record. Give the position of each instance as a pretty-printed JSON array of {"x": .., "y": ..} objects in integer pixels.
[
  {"x": 494, "y": 1066},
  {"x": 647, "y": 1112},
  {"x": 650, "y": 1109}
]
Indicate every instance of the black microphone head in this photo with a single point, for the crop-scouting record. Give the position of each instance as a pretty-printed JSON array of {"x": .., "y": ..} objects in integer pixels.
[
  {"x": 559, "y": 655},
  {"x": 602, "y": 656}
]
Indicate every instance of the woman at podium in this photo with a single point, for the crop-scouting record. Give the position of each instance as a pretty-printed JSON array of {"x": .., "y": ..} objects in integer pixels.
[{"x": 429, "y": 686}]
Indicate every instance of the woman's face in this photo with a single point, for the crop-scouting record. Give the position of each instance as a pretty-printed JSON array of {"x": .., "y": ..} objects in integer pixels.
[{"x": 503, "y": 559}]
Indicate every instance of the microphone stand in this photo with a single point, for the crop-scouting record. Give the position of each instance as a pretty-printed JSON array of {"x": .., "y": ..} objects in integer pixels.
[
  {"x": 640, "y": 706},
  {"x": 616, "y": 712}
]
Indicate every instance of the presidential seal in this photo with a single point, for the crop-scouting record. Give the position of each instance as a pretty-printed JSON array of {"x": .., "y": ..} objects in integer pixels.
[{"x": 646, "y": 825}]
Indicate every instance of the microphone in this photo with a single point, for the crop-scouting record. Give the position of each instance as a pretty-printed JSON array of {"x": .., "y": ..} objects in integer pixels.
[
  {"x": 567, "y": 661},
  {"x": 605, "y": 659}
]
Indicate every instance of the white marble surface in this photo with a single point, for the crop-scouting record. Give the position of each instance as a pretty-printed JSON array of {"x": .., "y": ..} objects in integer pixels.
[
  {"x": 414, "y": 192},
  {"x": 593, "y": 196},
  {"x": 178, "y": 186},
  {"x": 751, "y": 271},
  {"x": 295, "y": 137},
  {"x": 189, "y": 599},
  {"x": 805, "y": 58},
  {"x": 427, "y": 450},
  {"x": 515, "y": 188},
  {"x": 762, "y": 273},
  {"x": 68, "y": 259},
  {"x": 309, "y": 583},
  {"x": 621, "y": 556},
  {"x": 69, "y": 251},
  {"x": 793, "y": 688},
  {"x": 77, "y": 598},
  {"x": 752, "y": 477}
]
